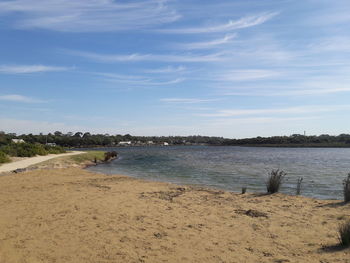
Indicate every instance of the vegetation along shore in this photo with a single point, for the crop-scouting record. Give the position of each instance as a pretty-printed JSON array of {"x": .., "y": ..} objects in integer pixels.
[{"x": 79, "y": 139}]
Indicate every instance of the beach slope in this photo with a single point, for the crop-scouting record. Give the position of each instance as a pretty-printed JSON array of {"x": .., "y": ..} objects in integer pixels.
[{"x": 72, "y": 215}]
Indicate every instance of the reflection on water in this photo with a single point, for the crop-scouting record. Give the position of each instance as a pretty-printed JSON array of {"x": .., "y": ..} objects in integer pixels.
[{"x": 231, "y": 168}]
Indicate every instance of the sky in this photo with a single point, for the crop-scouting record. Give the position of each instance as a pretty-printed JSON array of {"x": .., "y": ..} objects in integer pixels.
[{"x": 231, "y": 68}]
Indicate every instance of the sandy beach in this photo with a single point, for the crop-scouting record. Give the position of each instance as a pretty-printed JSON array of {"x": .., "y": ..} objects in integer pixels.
[{"x": 72, "y": 215}]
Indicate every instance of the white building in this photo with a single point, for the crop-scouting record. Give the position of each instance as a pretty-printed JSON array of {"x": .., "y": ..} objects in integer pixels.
[
  {"x": 18, "y": 141},
  {"x": 124, "y": 143}
]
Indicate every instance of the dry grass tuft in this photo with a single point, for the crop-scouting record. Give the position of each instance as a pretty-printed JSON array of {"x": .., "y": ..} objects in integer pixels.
[
  {"x": 274, "y": 181},
  {"x": 344, "y": 234},
  {"x": 346, "y": 185}
]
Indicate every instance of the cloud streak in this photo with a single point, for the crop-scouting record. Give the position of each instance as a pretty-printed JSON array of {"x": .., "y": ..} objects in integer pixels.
[
  {"x": 114, "y": 58},
  {"x": 248, "y": 75},
  {"x": 88, "y": 15},
  {"x": 166, "y": 70},
  {"x": 27, "y": 69},
  {"x": 138, "y": 80},
  {"x": 288, "y": 110},
  {"x": 206, "y": 44},
  {"x": 19, "y": 98},
  {"x": 186, "y": 100},
  {"x": 244, "y": 22}
]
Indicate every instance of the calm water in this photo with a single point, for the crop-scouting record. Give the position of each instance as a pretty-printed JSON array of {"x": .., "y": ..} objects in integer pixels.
[{"x": 230, "y": 168}]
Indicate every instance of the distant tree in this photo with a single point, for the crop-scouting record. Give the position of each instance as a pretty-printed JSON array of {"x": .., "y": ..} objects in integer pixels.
[
  {"x": 78, "y": 134},
  {"x": 58, "y": 133}
]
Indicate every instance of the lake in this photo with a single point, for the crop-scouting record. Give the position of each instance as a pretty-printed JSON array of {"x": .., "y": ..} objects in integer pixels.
[{"x": 231, "y": 168}]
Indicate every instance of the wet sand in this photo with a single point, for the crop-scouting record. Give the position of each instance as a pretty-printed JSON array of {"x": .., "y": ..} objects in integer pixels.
[{"x": 72, "y": 215}]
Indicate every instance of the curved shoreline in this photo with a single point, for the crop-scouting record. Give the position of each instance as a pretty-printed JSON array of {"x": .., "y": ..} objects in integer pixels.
[{"x": 73, "y": 215}]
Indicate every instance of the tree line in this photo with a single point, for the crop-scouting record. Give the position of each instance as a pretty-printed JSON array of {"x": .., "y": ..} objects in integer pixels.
[{"x": 80, "y": 139}]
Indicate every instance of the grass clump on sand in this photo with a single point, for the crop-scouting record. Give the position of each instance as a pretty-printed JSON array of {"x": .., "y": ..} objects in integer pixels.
[
  {"x": 346, "y": 185},
  {"x": 4, "y": 158},
  {"x": 274, "y": 181},
  {"x": 74, "y": 160},
  {"x": 344, "y": 234},
  {"x": 88, "y": 156}
]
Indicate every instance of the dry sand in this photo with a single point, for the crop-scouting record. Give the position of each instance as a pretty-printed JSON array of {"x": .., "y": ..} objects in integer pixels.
[
  {"x": 72, "y": 215},
  {"x": 20, "y": 163}
]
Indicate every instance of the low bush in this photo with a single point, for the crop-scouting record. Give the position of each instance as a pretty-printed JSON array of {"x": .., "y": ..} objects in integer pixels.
[
  {"x": 346, "y": 185},
  {"x": 54, "y": 149},
  {"x": 29, "y": 149},
  {"x": 110, "y": 155},
  {"x": 4, "y": 158},
  {"x": 274, "y": 181},
  {"x": 344, "y": 234}
]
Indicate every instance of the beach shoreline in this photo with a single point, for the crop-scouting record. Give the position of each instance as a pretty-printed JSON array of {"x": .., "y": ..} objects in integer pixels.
[{"x": 73, "y": 215}]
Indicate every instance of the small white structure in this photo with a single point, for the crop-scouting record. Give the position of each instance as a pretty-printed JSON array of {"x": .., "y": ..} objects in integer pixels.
[
  {"x": 124, "y": 143},
  {"x": 51, "y": 144},
  {"x": 165, "y": 144},
  {"x": 150, "y": 142},
  {"x": 18, "y": 141}
]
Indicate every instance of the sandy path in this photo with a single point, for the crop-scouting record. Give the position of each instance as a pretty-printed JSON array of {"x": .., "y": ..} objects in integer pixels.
[
  {"x": 72, "y": 216},
  {"x": 8, "y": 167}
]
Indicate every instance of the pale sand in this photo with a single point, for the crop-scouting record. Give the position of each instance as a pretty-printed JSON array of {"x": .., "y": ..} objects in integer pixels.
[
  {"x": 72, "y": 215},
  {"x": 26, "y": 162}
]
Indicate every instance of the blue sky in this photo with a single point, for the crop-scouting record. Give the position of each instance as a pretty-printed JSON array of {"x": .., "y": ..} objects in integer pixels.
[{"x": 227, "y": 68}]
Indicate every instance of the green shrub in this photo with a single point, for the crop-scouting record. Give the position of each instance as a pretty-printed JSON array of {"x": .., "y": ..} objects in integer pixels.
[
  {"x": 274, "y": 181},
  {"x": 110, "y": 155},
  {"x": 4, "y": 158},
  {"x": 54, "y": 149},
  {"x": 9, "y": 150},
  {"x": 344, "y": 234},
  {"x": 30, "y": 149}
]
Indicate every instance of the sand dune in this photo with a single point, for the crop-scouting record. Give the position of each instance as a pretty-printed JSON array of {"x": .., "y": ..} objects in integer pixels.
[
  {"x": 72, "y": 215},
  {"x": 8, "y": 167}
]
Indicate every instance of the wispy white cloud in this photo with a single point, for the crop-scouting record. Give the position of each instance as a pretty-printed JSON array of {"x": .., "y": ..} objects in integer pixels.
[
  {"x": 138, "y": 80},
  {"x": 244, "y": 22},
  {"x": 206, "y": 44},
  {"x": 186, "y": 100},
  {"x": 88, "y": 15},
  {"x": 288, "y": 110},
  {"x": 260, "y": 120},
  {"x": 316, "y": 85},
  {"x": 26, "y": 69},
  {"x": 248, "y": 75},
  {"x": 19, "y": 98},
  {"x": 113, "y": 58},
  {"x": 299, "y": 92},
  {"x": 169, "y": 69},
  {"x": 335, "y": 43}
]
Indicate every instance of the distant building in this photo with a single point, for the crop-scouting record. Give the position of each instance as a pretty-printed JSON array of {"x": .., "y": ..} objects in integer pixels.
[
  {"x": 149, "y": 142},
  {"x": 18, "y": 141},
  {"x": 51, "y": 144},
  {"x": 124, "y": 143},
  {"x": 165, "y": 144}
]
